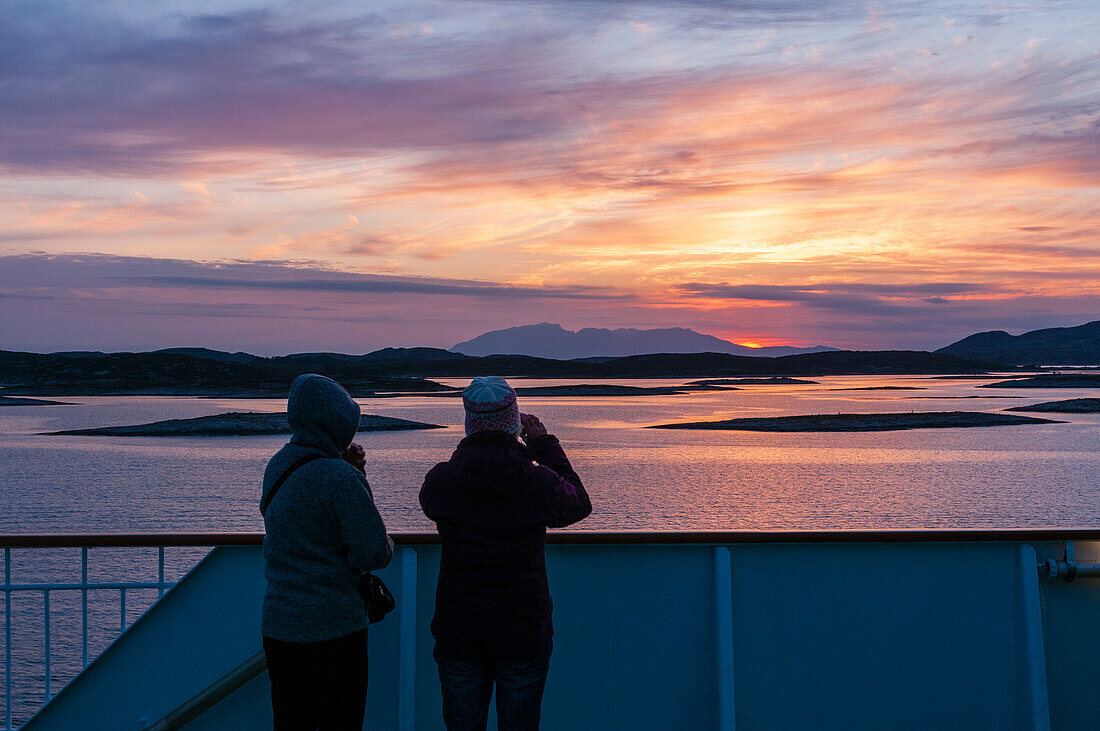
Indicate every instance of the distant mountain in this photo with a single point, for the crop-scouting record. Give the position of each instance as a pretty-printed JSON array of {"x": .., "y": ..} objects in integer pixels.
[
  {"x": 548, "y": 340},
  {"x": 1052, "y": 346}
]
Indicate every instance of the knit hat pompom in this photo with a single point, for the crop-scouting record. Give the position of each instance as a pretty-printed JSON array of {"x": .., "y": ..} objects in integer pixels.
[{"x": 490, "y": 405}]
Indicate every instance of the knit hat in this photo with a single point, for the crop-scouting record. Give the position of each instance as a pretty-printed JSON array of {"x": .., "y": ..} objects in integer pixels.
[{"x": 490, "y": 405}]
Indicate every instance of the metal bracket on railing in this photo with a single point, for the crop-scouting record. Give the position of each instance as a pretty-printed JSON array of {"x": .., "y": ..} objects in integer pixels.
[{"x": 1069, "y": 568}]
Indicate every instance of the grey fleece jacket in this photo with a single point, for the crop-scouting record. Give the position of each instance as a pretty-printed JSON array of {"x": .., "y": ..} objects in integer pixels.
[{"x": 322, "y": 525}]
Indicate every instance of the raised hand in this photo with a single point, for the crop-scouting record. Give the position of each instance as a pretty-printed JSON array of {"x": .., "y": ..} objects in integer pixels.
[
  {"x": 531, "y": 427},
  {"x": 356, "y": 456}
]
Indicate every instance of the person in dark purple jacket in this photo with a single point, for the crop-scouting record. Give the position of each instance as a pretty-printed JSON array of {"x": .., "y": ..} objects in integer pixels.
[{"x": 492, "y": 505}]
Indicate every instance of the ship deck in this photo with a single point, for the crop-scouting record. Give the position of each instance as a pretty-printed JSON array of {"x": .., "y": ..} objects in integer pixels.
[{"x": 696, "y": 630}]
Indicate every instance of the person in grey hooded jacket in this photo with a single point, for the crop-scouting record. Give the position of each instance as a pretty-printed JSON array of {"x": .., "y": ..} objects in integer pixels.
[{"x": 322, "y": 531}]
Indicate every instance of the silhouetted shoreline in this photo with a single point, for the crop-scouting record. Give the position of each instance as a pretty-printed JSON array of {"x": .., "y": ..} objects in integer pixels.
[
  {"x": 17, "y": 401},
  {"x": 883, "y": 388},
  {"x": 395, "y": 371},
  {"x": 772, "y": 381},
  {"x": 1049, "y": 380},
  {"x": 862, "y": 422},
  {"x": 1068, "y": 406},
  {"x": 236, "y": 423}
]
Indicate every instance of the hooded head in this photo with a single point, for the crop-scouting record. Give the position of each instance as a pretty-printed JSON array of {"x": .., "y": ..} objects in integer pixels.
[
  {"x": 321, "y": 414},
  {"x": 490, "y": 405}
]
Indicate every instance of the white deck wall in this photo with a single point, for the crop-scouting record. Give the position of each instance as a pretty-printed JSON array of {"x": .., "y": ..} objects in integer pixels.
[{"x": 787, "y": 636}]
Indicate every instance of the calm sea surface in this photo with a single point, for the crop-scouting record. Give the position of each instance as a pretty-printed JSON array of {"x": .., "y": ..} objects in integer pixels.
[
  {"x": 639, "y": 479},
  {"x": 1020, "y": 476}
]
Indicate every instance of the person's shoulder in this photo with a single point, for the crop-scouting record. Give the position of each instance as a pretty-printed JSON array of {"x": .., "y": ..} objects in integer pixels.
[
  {"x": 439, "y": 474},
  {"x": 341, "y": 471},
  {"x": 318, "y": 464},
  {"x": 285, "y": 456},
  {"x": 274, "y": 469},
  {"x": 284, "y": 459}
]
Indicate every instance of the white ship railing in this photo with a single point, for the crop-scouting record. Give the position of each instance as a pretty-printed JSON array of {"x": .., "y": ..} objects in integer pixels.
[
  {"x": 1066, "y": 569},
  {"x": 88, "y": 590}
]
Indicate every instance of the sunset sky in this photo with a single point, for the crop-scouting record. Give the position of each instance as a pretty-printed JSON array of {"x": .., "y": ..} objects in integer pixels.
[{"x": 316, "y": 176}]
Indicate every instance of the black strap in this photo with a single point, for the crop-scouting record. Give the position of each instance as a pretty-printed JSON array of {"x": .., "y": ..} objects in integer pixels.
[{"x": 282, "y": 478}]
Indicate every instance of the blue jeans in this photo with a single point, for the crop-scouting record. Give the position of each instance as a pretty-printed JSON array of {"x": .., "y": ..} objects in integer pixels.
[{"x": 467, "y": 685}]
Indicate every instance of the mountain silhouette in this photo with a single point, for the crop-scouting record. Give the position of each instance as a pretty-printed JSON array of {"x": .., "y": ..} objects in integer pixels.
[
  {"x": 1051, "y": 346},
  {"x": 549, "y": 340}
]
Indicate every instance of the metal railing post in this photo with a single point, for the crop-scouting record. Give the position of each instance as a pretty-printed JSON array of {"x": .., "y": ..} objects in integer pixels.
[
  {"x": 160, "y": 571},
  {"x": 49, "y": 670},
  {"x": 406, "y": 632},
  {"x": 7, "y": 634},
  {"x": 84, "y": 606},
  {"x": 1033, "y": 647},
  {"x": 723, "y": 619},
  {"x": 121, "y": 610}
]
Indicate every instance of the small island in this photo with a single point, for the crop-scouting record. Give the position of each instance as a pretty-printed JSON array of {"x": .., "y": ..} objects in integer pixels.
[
  {"x": 1049, "y": 380},
  {"x": 883, "y": 388},
  {"x": 611, "y": 389},
  {"x": 945, "y": 398},
  {"x": 1069, "y": 406},
  {"x": 986, "y": 377},
  {"x": 770, "y": 381},
  {"x": 596, "y": 389},
  {"x": 233, "y": 424},
  {"x": 600, "y": 389},
  {"x": 20, "y": 401},
  {"x": 861, "y": 422}
]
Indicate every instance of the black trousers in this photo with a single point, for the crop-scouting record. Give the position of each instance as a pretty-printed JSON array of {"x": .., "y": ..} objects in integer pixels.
[{"x": 318, "y": 686}]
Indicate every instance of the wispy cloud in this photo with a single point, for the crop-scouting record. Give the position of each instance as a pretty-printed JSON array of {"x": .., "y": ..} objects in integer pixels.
[
  {"x": 90, "y": 272},
  {"x": 835, "y": 160},
  {"x": 61, "y": 302},
  {"x": 204, "y": 90},
  {"x": 902, "y": 300}
]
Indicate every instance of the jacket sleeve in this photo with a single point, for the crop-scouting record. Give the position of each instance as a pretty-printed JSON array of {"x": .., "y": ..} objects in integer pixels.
[
  {"x": 564, "y": 500},
  {"x": 362, "y": 532},
  {"x": 429, "y": 493}
]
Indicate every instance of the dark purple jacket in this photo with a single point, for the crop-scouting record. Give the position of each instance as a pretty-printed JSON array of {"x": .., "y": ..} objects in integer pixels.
[{"x": 492, "y": 506}]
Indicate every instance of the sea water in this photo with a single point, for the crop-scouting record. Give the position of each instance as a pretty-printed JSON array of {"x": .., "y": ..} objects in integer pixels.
[{"x": 639, "y": 479}]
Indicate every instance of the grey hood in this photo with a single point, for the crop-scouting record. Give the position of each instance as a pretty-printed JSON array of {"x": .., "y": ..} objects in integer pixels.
[{"x": 321, "y": 414}]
